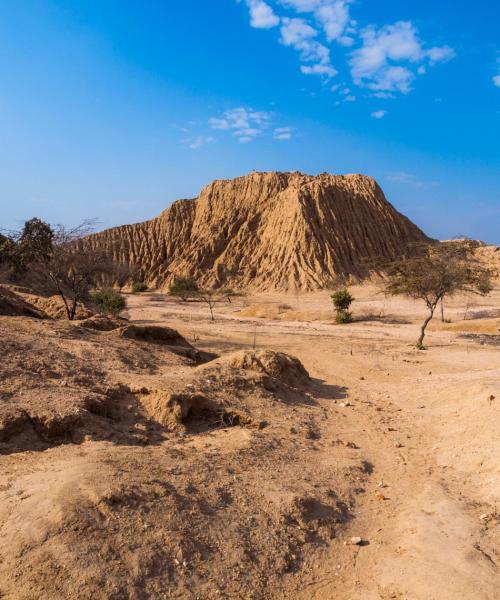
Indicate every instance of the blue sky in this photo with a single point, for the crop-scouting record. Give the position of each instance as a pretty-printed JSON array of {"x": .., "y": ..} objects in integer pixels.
[{"x": 113, "y": 109}]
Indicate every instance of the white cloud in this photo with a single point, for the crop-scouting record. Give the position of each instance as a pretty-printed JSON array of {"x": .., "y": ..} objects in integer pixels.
[
  {"x": 283, "y": 133},
  {"x": 301, "y": 5},
  {"x": 327, "y": 70},
  {"x": 197, "y": 142},
  {"x": 371, "y": 64},
  {"x": 295, "y": 32},
  {"x": 332, "y": 15},
  {"x": 298, "y": 34},
  {"x": 386, "y": 60},
  {"x": 245, "y": 123},
  {"x": 379, "y": 114},
  {"x": 412, "y": 180},
  {"x": 496, "y": 78},
  {"x": 439, "y": 54},
  {"x": 346, "y": 41},
  {"x": 390, "y": 55},
  {"x": 262, "y": 15}
]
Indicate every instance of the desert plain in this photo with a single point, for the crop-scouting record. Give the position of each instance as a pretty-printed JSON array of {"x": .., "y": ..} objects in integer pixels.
[{"x": 210, "y": 465}]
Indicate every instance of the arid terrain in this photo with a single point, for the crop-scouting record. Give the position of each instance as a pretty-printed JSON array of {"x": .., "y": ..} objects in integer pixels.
[{"x": 137, "y": 463}]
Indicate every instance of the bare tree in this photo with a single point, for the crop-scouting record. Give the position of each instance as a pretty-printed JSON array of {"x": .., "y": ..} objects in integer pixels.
[
  {"x": 73, "y": 268},
  {"x": 438, "y": 271},
  {"x": 123, "y": 273},
  {"x": 212, "y": 296}
]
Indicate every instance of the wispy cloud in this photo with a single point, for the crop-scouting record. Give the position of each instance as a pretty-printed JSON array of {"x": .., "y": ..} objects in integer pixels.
[
  {"x": 245, "y": 124},
  {"x": 332, "y": 16},
  {"x": 411, "y": 180},
  {"x": 496, "y": 78},
  {"x": 198, "y": 141},
  {"x": 300, "y": 35},
  {"x": 385, "y": 60},
  {"x": 379, "y": 114},
  {"x": 283, "y": 133}
]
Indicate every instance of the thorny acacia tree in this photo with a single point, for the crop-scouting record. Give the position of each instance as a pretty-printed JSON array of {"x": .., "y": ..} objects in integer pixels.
[
  {"x": 436, "y": 271},
  {"x": 188, "y": 289}
]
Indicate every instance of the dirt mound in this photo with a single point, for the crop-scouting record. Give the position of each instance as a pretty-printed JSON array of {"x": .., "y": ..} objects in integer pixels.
[
  {"x": 53, "y": 306},
  {"x": 155, "y": 334},
  {"x": 285, "y": 368},
  {"x": 11, "y": 304},
  {"x": 102, "y": 323},
  {"x": 123, "y": 464},
  {"x": 165, "y": 336},
  {"x": 266, "y": 231}
]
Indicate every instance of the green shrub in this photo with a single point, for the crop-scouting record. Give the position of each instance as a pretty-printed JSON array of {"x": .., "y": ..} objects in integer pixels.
[
  {"x": 183, "y": 288},
  {"x": 343, "y": 316},
  {"x": 342, "y": 299},
  {"x": 109, "y": 301},
  {"x": 139, "y": 287}
]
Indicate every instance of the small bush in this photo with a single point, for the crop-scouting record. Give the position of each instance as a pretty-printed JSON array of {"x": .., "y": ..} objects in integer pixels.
[
  {"x": 342, "y": 299},
  {"x": 109, "y": 301},
  {"x": 343, "y": 316},
  {"x": 139, "y": 287},
  {"x": 183, "y": 288}
]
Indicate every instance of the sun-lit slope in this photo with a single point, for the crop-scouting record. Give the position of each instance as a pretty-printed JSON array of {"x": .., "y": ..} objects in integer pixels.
[{"x": 267, "y": 231}]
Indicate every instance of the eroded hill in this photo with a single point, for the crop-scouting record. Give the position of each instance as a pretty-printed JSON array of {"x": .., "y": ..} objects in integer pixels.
[{"x": 266, "y": 231}]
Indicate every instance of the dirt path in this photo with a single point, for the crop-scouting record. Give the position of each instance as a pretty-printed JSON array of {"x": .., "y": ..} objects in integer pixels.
[{"x": 428, "y": 421}]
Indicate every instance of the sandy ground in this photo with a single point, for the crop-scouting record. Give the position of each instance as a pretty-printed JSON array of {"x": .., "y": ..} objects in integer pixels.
[
  {"x": 395, "y": 446},
  {"x": 428, "y": 421}
]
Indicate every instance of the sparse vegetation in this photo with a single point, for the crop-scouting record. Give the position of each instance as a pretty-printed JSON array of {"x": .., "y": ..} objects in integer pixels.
[
  {"x": 122, "y": 273},
  {"x": 18, "y": 250},
  {"x": 342, "y": 300},
  {"x": 138, "y": 287},
  {"x": 438, "y": 271},
  {"x": 211, "y": 297},
  {"x": 54, "y": 253},
  {"x": 342, "y": 317},
  {"x": 183, "y": 288},
  {"x": 109, "y": 301}
]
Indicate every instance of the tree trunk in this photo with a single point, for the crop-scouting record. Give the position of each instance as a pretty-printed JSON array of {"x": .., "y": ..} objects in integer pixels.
[
  {"x": 72, "y": 314},
  {"x": 442, "y": 310},
  {"x": 420, "y": 342}
]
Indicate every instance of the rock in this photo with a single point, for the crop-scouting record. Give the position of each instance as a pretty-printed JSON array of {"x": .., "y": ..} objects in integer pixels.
[{"x": 355, "y": 541}]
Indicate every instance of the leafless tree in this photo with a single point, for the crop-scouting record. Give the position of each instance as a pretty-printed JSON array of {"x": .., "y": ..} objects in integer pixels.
[{"x": 73, "y": 267}]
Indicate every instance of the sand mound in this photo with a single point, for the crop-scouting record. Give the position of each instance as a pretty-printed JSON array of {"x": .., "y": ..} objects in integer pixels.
[
  {"x": 53, "y": 306},
  {"x": 154, "y": 334},
  {"x": 164, "y": 336},
  {"x": 11, "y": 304},
  {"x": 285, "y": 368},
  {"x": 266, "y": 231},
  {"x": 102, "y": 323}
]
